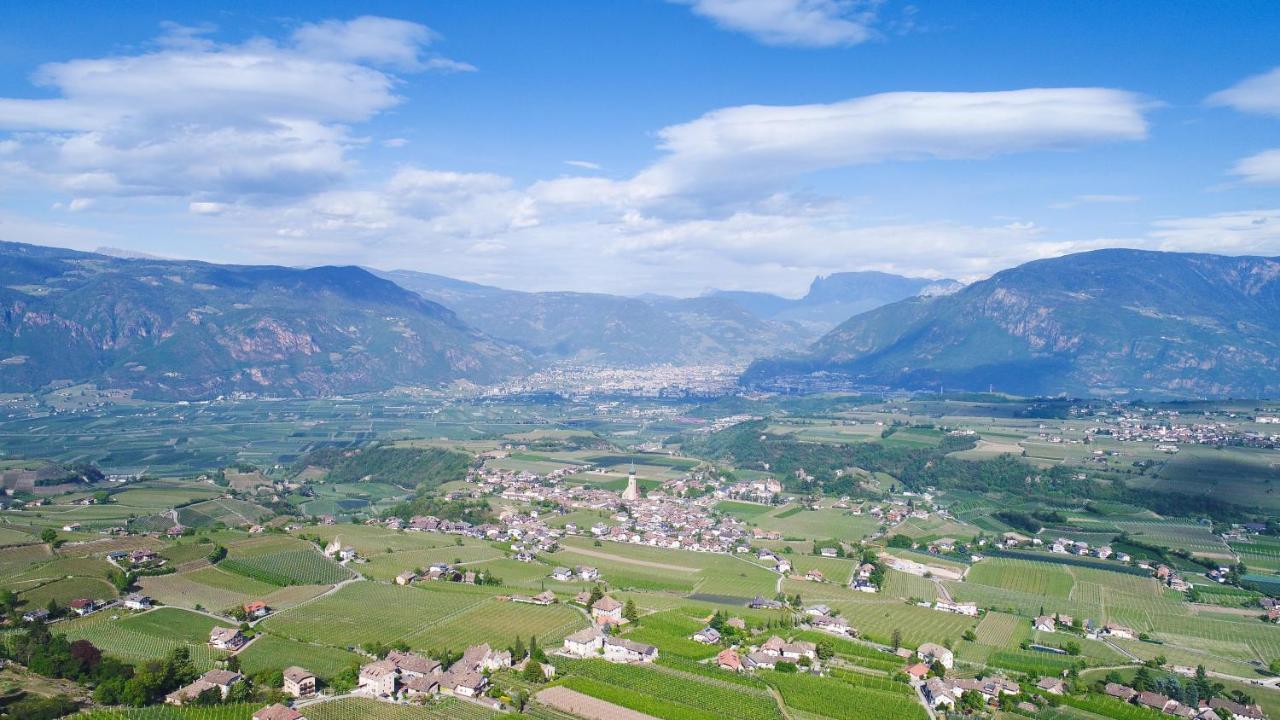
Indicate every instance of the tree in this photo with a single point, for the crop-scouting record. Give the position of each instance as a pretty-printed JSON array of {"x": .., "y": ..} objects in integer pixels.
[
  {"x": 897, "y": 639},
  {"x": 824, "y": 650},
  {"x": 533, "y": 672},
  {"x": 630, "y": 611},
  {"x": 518, "y": 650},
  {"x": 48, "y": 535},
  {"x": 971, "y": 702},
  {"x": 1274, "y": 667},
  {"x": 969, "y": 635}
]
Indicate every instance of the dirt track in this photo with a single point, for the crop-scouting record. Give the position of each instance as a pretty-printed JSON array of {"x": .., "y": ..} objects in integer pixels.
[{"x": 584, "y": 706}]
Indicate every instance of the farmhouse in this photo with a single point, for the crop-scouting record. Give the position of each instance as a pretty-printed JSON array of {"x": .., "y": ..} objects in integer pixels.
[
  {"x": 256, "y": 609},
  {"x": 1118, "y": 631},
  {"x": 1045, "y": 623},
  {"x": 623, "y": 650},
  {"x": 588, "y": 573},
  {"x": 299, "y": 683},
  {"x": 1052, "y": 685},
  {"x": 563, "y": 574},
  {"x": 584, "y": 643},
  {"x": 799, "y": 649},
  {"x": 760, "y": 660},
  {"x": 137, "y": 602},
  {"x": 407, "y": 577},
  {"x": 1227, "y": 710},
  {"x": 707, "y": 636},
  {"x": 607, "y": 610},
  {"x": 379, "y": 678},
  {"x": 837, "y": 625},
  {"x": 1123, "y": 693},
  {"x": 83, "y": 606},
  {"x": 938, "y": 694},
  {"x": 221, "y": 638},
  {"x": 970, "y": 609},
  {"x": 728, "y": 660},
  {"x": 222, "y": 680},
  {"x": 932, "y": 652},
  {"x": 278, "y": 712}
]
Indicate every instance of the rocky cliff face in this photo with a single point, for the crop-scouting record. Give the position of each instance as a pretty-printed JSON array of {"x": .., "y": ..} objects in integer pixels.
[
  {"x": 1111, "y": 321},
  {"x": 195, "y": 330}
]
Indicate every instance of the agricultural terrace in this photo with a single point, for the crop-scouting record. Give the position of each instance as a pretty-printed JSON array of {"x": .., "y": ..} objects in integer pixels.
[
  {"x": 150, "y": 635},
  {"x": 281, "y": 560},
  {"x": 426, "y": 616}
]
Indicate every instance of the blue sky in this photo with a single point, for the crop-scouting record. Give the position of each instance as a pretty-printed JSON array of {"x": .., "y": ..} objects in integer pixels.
[{"x": 642, "y": 146}]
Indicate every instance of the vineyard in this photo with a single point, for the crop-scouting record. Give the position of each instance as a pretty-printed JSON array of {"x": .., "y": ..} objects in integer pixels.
[
  {"x": 169, "y": 712},
  {"x": 844, "y": 701},
  {"x": 147, "y": 636},
  {"x": 290, "y": 567},
  {"x": 364, "y": 709},
  {"x": 668, "y": 695}
]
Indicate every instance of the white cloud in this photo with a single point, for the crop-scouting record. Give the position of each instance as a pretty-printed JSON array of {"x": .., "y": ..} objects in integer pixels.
[
  {"x": 584, "y": 164},
  {"x": 750, "y": 150},
  {"x": 803, "y": 23},
  {"x": 1263, "y": 168},
  {"x": 1257, "y": 94},
  {"x": 220, "y": 121},
  {"x": 1253, "y": 232}
]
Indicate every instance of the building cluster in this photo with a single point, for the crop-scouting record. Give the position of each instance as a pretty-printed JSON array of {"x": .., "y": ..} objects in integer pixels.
[
  {"x": 768, "y": 654},
  {"x": 1214, "y": 709},
  {"x": 1169, "y": 429},
  {"x": 403, "y": 675},
  {"x": 654, "y": 381}
]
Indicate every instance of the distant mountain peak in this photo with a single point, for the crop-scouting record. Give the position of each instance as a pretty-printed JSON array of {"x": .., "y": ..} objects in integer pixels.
[{"x": 1101, "y": 322}]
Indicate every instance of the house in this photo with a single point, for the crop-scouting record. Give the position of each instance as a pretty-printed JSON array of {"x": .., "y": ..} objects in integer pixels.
[
  {"x": 918, "y": 671},
  {"x": 562, "y": 574},
  {"x": 1118, "y": 631},
  {"x": 37, "y": 615},
  {"x": 1152, "y": 700},
  {"x": 256, "y": 609},
  {"x": 728, "y": 660},
  {"x": 622, "y": 650},
  {"x": 932, "y": 652},
  {"x": 379, "y": 678},
  {"x": 299, "y": 683},
  {"x": 815, "y": 575},
  {"x": 773, "y": 646},
  {"x": 1229, "y": 710},
  {"x": 828, "y": 552},
  {"x": 818, "y": 609},
  {"x": 1123, "y": 693},
  {"x": 83, "y": 606},
  {"x": 1045, "y": 623},
  {"x": 584, "y": 643},
  {"x": 837, "y": 625},
  {"x": 760, "y": 660},
  {"x": 588, "y": 573},
  {"x": 410, "y": 664},
  {"x": 220, "y": 679},
  {"x": 707, "y": 636},
  {"x": 470, "y": 684},
  {"x": 607, "y": 610},
  {"x": 799, "y": 649},
  {"x": 221, "y": 638},
  {"x": 1052, "y": 685},
  {"x": 938, "y": 694},
  {"x": 137, "y": 602},
  {"x": 406, "y": 578},
  {"x": 278, "y": 712}
]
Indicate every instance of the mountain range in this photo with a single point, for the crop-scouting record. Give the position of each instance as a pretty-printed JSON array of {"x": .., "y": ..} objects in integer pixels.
[
  {"x": 187, "y": 330},
  {"x": 720, "y": 326},
  {"x": 1110, "y": 322},
  {"x": 1103, "y": 322}
]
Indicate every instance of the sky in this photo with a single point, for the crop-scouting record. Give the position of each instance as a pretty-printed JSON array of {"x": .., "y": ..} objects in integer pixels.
[{"x": 643, "y": 146}]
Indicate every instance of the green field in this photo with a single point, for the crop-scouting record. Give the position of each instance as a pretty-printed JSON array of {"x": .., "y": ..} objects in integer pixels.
[{"x": 147, "y": 636}]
